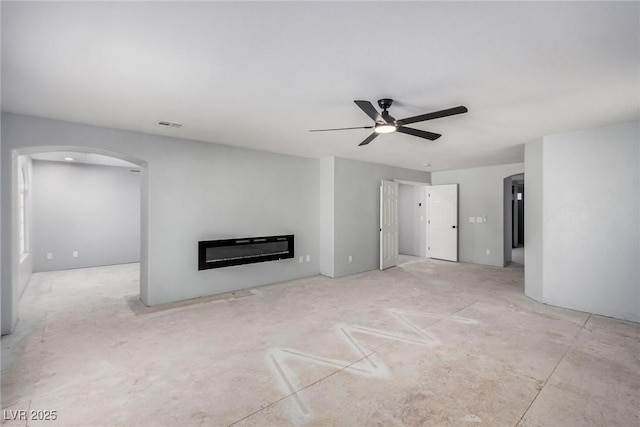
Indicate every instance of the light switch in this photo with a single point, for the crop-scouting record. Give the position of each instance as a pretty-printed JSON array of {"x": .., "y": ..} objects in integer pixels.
[
  {"x": 308, "y": 258},
  {"x": 472, "y": 219},
  {"x": 74, "y": 254},
  {"x": 479, "y": 219},
  {"x": 300, "y": 259},
  {"x": 49, "y": 255}
]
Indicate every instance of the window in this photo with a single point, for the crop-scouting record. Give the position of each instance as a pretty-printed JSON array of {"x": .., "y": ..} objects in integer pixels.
[{"x": 22, "y": 211}]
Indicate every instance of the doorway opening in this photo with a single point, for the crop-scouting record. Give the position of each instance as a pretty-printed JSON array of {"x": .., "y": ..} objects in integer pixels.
[
  {"x": 74, "y": 208},
  {"x": 514, "y": 238},
  {"x": 417, "y": 220},
  {"x": 412, "y": 214}
]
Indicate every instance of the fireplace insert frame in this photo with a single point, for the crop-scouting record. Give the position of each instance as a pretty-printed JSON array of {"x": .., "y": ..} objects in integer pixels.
[{"x": 247, "y": 250}]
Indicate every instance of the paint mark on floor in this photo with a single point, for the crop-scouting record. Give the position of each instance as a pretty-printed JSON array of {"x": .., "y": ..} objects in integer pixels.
[
  {"x": 472, "y": 418},
  {"x": 325, "y": 361},
  {"x": 358, "y": 347},
  {"x": 367, "y": 364},
  {"x": 290, "y": 387}
]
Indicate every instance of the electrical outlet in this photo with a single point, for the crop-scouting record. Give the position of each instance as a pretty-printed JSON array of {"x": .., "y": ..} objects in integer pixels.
[
  {"x": 49, "y": 255},
  {"x": 308, "y": 258},
  {"x": 74, "y": 254},
  {"x": 488, "y": 251},
  {"x": 350, "y": 258},
  {"x": 300, "y": 259}
]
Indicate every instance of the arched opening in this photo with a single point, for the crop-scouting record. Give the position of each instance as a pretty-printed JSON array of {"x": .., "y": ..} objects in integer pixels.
[
  {"x": 514, "y": 238},
  {"x": 23, "y": 246}
]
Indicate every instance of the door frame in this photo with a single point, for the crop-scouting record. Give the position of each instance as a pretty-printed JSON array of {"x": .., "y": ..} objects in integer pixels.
[{"x": 508, "y": 229}]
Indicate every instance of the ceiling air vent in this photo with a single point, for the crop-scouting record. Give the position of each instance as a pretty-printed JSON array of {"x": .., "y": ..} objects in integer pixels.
[{"x": 170, "y": 124}]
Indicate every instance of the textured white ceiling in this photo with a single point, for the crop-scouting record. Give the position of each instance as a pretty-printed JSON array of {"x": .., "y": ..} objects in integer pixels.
[{"x": 260, "y": 75}]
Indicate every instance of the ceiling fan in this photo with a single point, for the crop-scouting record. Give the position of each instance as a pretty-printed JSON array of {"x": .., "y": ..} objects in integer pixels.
[{"x": 385, "y": 123}]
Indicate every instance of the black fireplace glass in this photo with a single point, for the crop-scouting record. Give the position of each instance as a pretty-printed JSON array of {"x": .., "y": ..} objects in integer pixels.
[{"x": 228, "y": 252}]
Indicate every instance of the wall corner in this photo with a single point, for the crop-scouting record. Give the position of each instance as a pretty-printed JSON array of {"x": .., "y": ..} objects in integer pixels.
[{"x": 534, "y": 225}]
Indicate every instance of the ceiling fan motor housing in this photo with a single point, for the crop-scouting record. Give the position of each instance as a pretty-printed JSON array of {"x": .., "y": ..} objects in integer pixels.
[{"x": 385, "y": 103}]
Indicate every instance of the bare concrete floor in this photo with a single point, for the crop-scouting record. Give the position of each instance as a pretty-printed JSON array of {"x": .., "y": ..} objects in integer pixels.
[{"x": 427, "y": 343}]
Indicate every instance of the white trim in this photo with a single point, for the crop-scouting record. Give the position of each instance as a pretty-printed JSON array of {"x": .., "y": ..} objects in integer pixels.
[{"x": 402, "y": 181}]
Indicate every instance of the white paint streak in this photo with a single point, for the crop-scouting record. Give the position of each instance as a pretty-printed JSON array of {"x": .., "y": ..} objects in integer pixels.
[{"x": 366, "y": 365}]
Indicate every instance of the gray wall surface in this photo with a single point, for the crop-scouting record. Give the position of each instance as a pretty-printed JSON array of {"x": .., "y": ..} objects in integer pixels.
[
  {"x": 8, "y": 320},
  {"x": 591, "y": 222},
  {"x": 94, "y": 210},
  {"x": 412, "y": 212},
  {"x": 357, "y": 212},
  {"x": 327, "y": 181},
  {"x": 191, "y": 191},
  {"x": 534, "y": 222},
  {"x": 481, "y": 192}
]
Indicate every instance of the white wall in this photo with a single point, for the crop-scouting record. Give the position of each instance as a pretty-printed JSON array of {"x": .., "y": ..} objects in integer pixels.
[
  {"x": 357, "y": 212},
  {"x": 591, "y": 222},
  {"x": 91, "y": 209},
  {"x": 412, "y": 211},
  {"x": 481, "y": 192},
  {"x": 195, "y": 191}
]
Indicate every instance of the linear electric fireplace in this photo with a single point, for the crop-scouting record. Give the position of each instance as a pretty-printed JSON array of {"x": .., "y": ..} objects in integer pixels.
[{"x": 224, "y": 253}]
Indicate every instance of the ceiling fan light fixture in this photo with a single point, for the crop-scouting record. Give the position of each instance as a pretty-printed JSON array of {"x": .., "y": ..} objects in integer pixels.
[
  {"x": 385, "y": 128},
  {"x": 385, "y": 123}
]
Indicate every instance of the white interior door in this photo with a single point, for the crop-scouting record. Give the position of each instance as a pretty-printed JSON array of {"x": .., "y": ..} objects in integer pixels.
[
  {"x": 442, "y": 225},
  {"x": 388, "y": 224}
]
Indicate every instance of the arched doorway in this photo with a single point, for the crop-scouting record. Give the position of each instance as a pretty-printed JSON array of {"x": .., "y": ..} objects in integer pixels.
[
  {"x": 514, "y": 220},
  {"x": 11, "y": 292}
]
